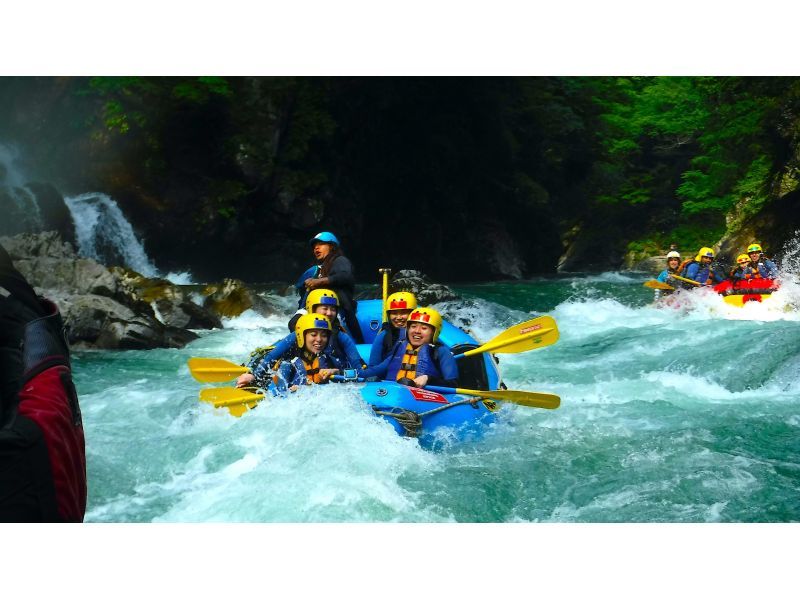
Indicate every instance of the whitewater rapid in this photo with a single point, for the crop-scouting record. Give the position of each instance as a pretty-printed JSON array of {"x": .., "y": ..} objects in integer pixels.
[{"x": 666, "y": 415}]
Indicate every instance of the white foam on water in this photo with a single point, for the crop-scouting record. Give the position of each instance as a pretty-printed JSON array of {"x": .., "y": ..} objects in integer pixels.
[
  {"x": 180, "y": 278},
  {"x": 304, "y": 458},
  {"x": 252, "y": 320}
]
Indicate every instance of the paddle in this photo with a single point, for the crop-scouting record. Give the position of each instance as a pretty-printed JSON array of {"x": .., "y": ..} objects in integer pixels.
[
  {"x": 211, "y": 369},
  {"x": 385, "y": 272},
  {"x": 525, "y": 398},
  {"x": 656, "y": 284},
  {"x": 533, "y": 334},
  {"x": 689, "y": 280},
  {"x": 237, "y": 400}
]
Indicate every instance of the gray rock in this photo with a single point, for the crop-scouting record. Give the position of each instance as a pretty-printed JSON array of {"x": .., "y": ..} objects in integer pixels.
[
  {"x": 45, "y": 244},
  {"x": 174, "y": 308},
  {"x": 101, "y": 308},
  {"x": 416, "y": 282},
  {"x": 232, "y": 298},
  {"x": 102, "y": 322},
  {"x": 80, "y": 276}
]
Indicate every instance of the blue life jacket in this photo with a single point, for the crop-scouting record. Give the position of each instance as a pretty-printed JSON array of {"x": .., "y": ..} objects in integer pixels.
[
  {"x": 286, "y": 348},
  {"x": 432, "y": 360},
  {"x": 699, "y": 273},
  {"x": 384, "y": 342}
]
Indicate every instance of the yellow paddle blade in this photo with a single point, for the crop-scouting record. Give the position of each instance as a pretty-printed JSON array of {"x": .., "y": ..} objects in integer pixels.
[
  {"x": 655, "y": 284},
  {"x": 237, "y": 400},
  {"x": 543, "y": 400},
  {"x": 689, "y": 280},
  {"x": 533, "y": 334},
  {"x": 212, "y": 369}
]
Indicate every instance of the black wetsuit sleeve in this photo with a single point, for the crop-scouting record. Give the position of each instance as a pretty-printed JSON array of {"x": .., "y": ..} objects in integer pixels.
[{"x": 341, "y": 274}]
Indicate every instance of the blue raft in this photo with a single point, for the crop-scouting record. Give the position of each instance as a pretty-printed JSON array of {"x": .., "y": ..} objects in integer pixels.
[{"x": 427, "y": 415}]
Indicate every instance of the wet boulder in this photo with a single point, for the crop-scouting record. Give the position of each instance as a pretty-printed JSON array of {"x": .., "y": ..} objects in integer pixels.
[
  {"x": 170, "y": 303},
  {"x": 232, "y": 297},
  {"x": 101, "y": 322},
  {"x": 418, "y": 283}
]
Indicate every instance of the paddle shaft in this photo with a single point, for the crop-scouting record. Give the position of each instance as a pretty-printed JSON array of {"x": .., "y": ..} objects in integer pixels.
[
  {"x": 385, "y": 272},
  {"x": 689, "y": 280}
]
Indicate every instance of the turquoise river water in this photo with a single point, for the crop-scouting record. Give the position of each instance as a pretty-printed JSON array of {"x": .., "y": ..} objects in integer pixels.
[{"x": 667, "y": 415}]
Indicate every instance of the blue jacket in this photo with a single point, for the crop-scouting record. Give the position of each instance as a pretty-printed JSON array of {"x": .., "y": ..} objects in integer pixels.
[
  {"x": 384, "y": 342},
  {"x": 699, "y": 273},
  {"x": 292, "y": 371},
  {"x": 435, "y": 361},
  {"x": 767, "y": 269},
  {"x": 665, "y": 274},
  {"x": 262, "y": 368}
]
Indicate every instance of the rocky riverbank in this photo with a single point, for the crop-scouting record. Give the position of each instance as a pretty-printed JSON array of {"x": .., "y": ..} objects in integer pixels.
[{"x": 116, "y": 308}]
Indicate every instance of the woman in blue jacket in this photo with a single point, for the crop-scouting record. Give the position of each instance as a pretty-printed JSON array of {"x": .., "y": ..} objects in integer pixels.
[
  {"x": 418, "y": 360},
  {"x": 398, "y": 307},
  {"x": 307, "y": 360}
]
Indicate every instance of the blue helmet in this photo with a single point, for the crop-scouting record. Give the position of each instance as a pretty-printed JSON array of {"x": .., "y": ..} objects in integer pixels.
[{"x": 325, "y": 237}]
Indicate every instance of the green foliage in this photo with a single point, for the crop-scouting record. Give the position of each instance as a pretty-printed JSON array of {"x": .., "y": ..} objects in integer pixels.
[
  {"x": 201, "y": 89},
  {"x": 689, "y": 236}
]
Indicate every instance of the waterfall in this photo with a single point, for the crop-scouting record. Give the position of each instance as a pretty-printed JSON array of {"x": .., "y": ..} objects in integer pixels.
[{"x": 103, "y": 233}]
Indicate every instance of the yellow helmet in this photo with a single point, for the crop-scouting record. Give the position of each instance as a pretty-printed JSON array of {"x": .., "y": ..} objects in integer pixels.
[
  {"x": 401, "y": 300},
  {"x": 743, "y": 259},
  {"x": 754, "y": 247},
  {"x": 308, "y": 322},
  {"x": 321, "y": 297},
  {"x": 704, "y": 252},
  {"x": 427, "y": 315}
]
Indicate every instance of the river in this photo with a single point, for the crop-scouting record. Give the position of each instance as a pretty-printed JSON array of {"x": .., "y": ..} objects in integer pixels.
[{"x": 667, "y": 415}]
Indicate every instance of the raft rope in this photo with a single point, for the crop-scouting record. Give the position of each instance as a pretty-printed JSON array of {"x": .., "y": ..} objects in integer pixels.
[{"x": 411, "y": 421}]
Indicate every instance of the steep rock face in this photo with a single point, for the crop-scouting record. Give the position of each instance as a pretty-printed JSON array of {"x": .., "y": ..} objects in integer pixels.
[
  {"x": 777, "y": 224},
  {"x": 498, "y": 255}
]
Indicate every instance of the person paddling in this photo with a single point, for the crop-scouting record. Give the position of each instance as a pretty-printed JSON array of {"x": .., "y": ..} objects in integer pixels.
[
  {"x": 760, "y": 266},
  {"x": 742, "y": 271},
  {"x": 307, "y": 361},
  {"x": 335, "y": 272},
  {"x": 326, "y": 302},
  {"x": 673, "y": 267},
  {"x": 702, "y": 268},
  {"x": 419, "y": 359},
  {"x": 398, "y": 307}
]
